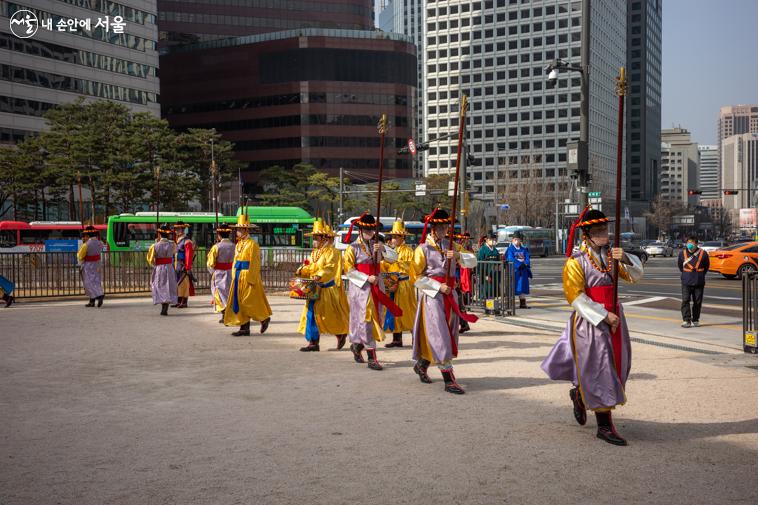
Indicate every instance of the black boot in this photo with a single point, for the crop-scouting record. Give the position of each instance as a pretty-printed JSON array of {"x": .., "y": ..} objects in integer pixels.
[
  {"x": 221, "y": 321},
  {"x": 341, "y": 339},
  {"x": 464, "y": 326},
  {"x": 580, "y": 411},
  {"x": 420, "y": 368},
  {"x": 178, "y": 302},
  {"x": 91, "y": 303},
  {"x": 311, "y": 347},
  {"x": 606, "y": 431},
  {"x": 8, "y": 299},
  {"x": 164, "y": 309},
  {"x": 183, "y": 302},
  {"x": 244, "y": 331},
  {"x": 397, "y": 340},
  {"x": 264, "y": 325},
  {"x": 522, "y": 303},
  {"x": 373, "y": 363},
  {"x": 450, "y": 385},
  {"x": 100, "y": 300},
  {"x": 357, "y": 356}
]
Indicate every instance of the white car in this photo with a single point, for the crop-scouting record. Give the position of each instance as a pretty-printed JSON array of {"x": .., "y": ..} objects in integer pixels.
[
  {"x": 713, "y": 245},
  {"x": 658, "y": 248}
]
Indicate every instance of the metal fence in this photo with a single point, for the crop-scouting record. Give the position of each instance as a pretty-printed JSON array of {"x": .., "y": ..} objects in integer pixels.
[
  {"x": 493, "y": 288},
  {"x": 50, "y": 274},
  {"x": 750, "y": 312}
]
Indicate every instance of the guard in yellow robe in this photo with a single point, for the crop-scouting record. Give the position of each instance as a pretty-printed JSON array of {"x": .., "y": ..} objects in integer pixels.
[
  {"x": 329, "y": 312},
  {"x": 399, "y": 281},
  {"x": 247, "y": 299}
]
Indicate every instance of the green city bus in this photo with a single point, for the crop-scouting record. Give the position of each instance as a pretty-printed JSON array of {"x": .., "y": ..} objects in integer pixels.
[{"x": 279, "y": 227}]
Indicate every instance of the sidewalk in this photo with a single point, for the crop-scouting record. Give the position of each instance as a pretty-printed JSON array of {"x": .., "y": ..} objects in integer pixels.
[{"x": 121, "y": 406}]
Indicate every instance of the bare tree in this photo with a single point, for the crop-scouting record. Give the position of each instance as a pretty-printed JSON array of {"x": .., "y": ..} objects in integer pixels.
[
  {"x": 530, "y": 195},
  {"x": 662, "y": 212}
]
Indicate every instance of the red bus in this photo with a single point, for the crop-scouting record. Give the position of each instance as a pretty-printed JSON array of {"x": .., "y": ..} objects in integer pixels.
[{"x": 18, "y": 236}]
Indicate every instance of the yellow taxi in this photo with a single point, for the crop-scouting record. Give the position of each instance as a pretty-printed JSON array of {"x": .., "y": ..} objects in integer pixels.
[{"x": 734, "y": 260}]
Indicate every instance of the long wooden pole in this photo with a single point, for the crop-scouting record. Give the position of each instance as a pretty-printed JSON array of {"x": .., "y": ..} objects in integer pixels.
[
  {"x": 214, "y": 177},
  {"x": 382, "y": 128},
  {"x": 81, "y": 202},
  {"x": 461, "y": 134},
  {"x": 621, "y": 92},
  {"x": 157, "y": 170}
]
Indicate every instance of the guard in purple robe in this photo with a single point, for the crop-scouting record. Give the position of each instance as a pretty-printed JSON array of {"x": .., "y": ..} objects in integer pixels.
[
  {"x": 219, "y": 262},
  {"x": 438, "y": 314},
  {"x": 365, "y": 293},
  {"x": 594, "y": 352},
  {"x": 90, "y": 267},
  {"x": 163, "y": 278}
]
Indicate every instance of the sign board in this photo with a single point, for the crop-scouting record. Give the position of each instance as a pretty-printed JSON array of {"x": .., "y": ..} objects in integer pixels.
[
  {"x": 504, "y": 206},
  {"x": 573, "y": 155},
  {"x": 685, "y": 220},
  {"x": 412, "y": 146},
  {"x": 748, "y": 218},
  {"x": 571, "y": 209},
  {"x": 420, "y": 189},
  {"x": 66, "y": 245},
  {"x": 450, "y": 188},
  {"x": 593, "y": 194},
  {"x": 627, "y": 215}
]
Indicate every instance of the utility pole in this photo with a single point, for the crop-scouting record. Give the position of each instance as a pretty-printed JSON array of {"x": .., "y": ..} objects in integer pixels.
[{"x": 584, "y": 125}]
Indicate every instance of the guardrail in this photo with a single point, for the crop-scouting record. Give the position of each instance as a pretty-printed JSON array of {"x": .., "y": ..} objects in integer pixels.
[
  {"x": 750, "y": 312},
  {"x": 56, "y": 274}
]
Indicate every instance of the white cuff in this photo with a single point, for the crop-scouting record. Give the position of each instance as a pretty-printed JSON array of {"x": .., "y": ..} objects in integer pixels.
[
  {"x": 593, "y": 312},
  {"x": 635, "y": 270},
  {"x": 389, "y": 255},
  {"x": 358, "y": 278},
  {"x": 428, "y": 286},
  {"x": 467, "y": 260}
]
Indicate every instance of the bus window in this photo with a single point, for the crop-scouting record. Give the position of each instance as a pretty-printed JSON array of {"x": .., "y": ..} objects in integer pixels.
[
  {"x": 34, "y": 236},
  {"x": 121, "y": 234},
  {"x": 8, "y": 238}
]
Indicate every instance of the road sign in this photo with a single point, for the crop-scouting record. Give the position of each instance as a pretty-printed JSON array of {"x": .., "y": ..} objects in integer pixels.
[
  {"x": 627, "y": 215},
  {"x": 450, "y": 188},
  {"x": 412, "y": 146},
  {"x": 593, "y": 194},
  {"x": 504, "y": 206},
  {"x": 420, "y": 189}
]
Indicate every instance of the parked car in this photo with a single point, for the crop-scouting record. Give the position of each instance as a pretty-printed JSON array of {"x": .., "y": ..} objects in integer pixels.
[
  {"x": 733, "y": 261},
  {"x": 712, "y": 245},
  {"x": 502, "y": 247},
  {"x": 677, "y": 244},
  {"x": 659, "y": 248}
]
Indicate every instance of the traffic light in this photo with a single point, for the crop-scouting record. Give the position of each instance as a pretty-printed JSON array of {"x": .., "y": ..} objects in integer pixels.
[
  {"x": 693, "y": 192},
  {"x": 731, "y": 192}
]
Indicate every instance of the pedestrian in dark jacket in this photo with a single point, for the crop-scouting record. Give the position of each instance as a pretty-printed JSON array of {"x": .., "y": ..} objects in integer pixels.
[{"x": 694, "y": 264}]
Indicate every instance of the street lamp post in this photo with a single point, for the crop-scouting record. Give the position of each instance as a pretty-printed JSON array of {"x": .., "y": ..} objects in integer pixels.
[{"x": 583, "y": 174}]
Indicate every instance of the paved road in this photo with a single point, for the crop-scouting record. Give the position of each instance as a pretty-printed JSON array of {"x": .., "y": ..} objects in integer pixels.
[
  {"x": 121, "y": 406},
  {"x": 652, "y": 305}
]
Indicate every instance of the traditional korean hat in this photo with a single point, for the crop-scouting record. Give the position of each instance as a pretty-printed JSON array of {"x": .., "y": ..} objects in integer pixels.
[
  {"x": 462, "y": 236},
  {"x": 398, "y": 228},
  {"x": 319, "y": 229},
  {"x": 587, "y": 219},
  {"x": 518, "y": 235},
  {"x": 438, "y": 216},
  {"x": 365, "y": 222},
  {"x": 243, "y": 221},
  {"x": 180, "y": 224},
  {"x": 90, "y": 231},
  {"x": 223, "y": 228},
  {"x": 165, "y": 230}
]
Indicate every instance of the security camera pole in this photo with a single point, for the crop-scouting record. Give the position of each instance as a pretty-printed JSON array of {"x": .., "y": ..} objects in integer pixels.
[{"x": 583, "y": 173}]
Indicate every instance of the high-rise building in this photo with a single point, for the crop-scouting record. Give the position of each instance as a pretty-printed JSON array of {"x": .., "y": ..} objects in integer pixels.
[
  {"x": 97, "y": 50},
  {"x": 312, "y": 93},
  {"x": 496, "y": 53},
  {"x": 739, "y": 172},
  {"x": 736, "y": 120},
  {"x": 407, "y": 17},
  {"x": 643, "y": 105},
  {"x": 710, "y": 178},
  {"x": 679, "y": 166}
]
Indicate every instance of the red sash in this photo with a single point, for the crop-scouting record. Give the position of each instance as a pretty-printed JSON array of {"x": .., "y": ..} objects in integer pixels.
[
  {"x": 164, "y": 261},
  {"x": 466, "y": 283},
  {"x": 223, "y": 266},
  {"x": 451, "y": 304},
  {"x": 94, "y": 257},
  {"x": 604, "y": 295},
  {"x": 377, "y": 294}
]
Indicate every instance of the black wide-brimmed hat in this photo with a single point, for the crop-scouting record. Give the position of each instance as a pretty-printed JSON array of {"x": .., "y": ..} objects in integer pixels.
[
  {"x": 90, "y": 231},
  {"x": 591, "y": 218},
  {"x": 165, "y": 230}
]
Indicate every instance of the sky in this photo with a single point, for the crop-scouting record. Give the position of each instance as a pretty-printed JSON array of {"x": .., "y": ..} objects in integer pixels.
[{"x": 710, "y": 59}]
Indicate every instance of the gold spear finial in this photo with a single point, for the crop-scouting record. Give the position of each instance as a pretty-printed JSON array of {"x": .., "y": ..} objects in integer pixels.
[
  {"x": 383, "y": 125},
  {"x": 621, "y": 82}
]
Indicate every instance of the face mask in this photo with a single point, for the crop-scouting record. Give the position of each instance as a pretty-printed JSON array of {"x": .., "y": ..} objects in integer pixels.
[{"x": 691, "y": 247}]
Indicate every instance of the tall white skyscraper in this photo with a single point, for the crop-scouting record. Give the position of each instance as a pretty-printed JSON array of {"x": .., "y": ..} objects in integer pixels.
[
  {"x": 496, "y": 52},
  {"x": 710, "y": 178}
]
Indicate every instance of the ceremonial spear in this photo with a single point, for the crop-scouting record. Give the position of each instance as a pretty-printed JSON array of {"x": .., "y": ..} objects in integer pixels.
[
  {"x": 621, "y": 92},
  {"x": 461, "y": 133}
]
